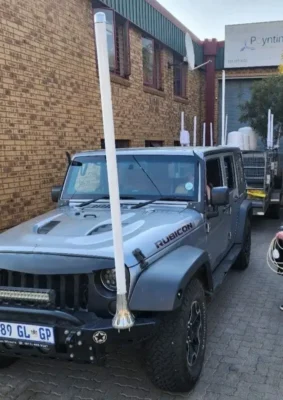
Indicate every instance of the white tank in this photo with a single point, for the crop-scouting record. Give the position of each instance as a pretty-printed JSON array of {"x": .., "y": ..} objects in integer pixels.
[
  {"x": 236, "y": 139},
  {"x": 248, "y": 131},
  {"x": 246, "y": 139}
]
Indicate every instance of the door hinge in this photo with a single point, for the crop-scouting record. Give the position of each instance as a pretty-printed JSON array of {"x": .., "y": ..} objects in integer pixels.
[
  {"x": 207, "y": 227},
  {"x": 228, "y": 210}
]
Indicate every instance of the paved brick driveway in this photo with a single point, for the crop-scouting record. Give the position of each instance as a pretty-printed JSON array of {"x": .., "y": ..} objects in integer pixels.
[{"x": 244, "y": 353}]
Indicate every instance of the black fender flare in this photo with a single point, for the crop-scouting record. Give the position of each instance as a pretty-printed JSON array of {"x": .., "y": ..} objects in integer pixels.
[
  {"x": 158, "y": 288},
  {"x": 244, "y": 213}
]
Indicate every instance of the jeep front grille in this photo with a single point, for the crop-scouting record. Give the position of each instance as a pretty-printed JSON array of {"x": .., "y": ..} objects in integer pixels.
[{"x": 71, "y": 290}]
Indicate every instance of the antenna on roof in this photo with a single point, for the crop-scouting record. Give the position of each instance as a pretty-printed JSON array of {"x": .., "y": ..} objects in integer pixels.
[
  {"x": 190, "y": 55},
  {"x": 190, "y": 51}
]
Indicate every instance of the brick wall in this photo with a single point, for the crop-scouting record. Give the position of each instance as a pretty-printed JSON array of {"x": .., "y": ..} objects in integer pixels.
[
  {"x": 237, "y": 73},
  {"x": 51, "y": 104},
  {"x": 144, "y": 113}
]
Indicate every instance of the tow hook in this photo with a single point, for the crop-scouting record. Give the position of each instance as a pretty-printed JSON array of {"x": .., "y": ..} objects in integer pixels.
[
  {"x": 71, "y": 343},
  {"x": 71, "y": 339}
]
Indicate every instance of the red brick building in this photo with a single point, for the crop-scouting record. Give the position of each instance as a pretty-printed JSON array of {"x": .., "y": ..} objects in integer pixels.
[
  {"x": 51, "y": 97},
  {"x": 50, "y": 91}
]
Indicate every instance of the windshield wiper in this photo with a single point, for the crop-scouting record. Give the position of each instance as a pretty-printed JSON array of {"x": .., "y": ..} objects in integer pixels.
[
  {"x": 86, "y": 203},
  {"x": 144, "y": 171},
  {"x": 173, "y": 198}
]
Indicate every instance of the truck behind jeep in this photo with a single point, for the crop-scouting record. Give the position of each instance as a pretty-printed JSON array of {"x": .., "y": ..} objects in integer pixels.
[
  {"x": 264, "y": 181},
  {"x": 185, "y": 223}
]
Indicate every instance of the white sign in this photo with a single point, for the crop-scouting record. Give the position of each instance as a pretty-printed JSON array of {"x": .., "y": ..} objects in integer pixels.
[{"x": 253, "y": 45}]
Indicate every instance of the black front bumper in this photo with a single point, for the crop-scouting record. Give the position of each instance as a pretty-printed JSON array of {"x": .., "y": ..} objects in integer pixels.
[{"x": 80, "y": 337}]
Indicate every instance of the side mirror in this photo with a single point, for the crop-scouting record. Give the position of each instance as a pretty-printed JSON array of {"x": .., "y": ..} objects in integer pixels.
[
  {"x": 56, "y": 193},
  {"x": 220, "y": 196}
]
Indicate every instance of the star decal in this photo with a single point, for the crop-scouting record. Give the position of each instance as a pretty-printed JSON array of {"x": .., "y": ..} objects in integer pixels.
[{"x": 99, "y": 337}]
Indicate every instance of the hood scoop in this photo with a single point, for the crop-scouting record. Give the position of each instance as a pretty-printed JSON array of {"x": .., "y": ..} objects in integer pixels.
[
  {"x": 43, "y": 230},
  {"x": 104, "y": 228}
]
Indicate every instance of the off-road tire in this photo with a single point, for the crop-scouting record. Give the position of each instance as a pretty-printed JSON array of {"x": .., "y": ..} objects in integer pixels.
[
  {"x": 243, "y": 259},
  {"x": 5, "y": 362},
  {"x": 273, "y": 211},
  {"x": 167, "y": 353}
]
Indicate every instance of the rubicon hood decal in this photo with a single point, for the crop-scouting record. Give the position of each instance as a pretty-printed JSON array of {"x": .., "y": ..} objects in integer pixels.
[{"x": 174, "y": 235}]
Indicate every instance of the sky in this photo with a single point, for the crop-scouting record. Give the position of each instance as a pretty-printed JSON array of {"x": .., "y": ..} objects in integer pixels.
[{"x": 207, "y": 18}]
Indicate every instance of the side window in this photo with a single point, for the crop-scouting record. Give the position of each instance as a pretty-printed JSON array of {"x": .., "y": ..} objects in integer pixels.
[
  {"x": 151, "y": 55},
  {"x": 230, "y": 172},
  {"x": 214, "y": 173},
  {"x": 180, "y": 77},
  {"x": 118, "y": 46}
]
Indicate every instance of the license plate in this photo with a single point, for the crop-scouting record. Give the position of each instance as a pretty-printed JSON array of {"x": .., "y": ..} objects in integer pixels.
[{"x": 26, "y": 333}]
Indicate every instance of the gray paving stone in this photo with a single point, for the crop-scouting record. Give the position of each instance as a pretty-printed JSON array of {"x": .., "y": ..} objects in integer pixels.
[
  {"x": 268, "y": 396},
  {"x": 255, "y": 396},
  {"x": 233, "y": 360},
  {"x": 262, "y": 369},
  {"x": 264, "y": 388},
  {"x": 253, "y": 378},
  {"x": 221, "y": 389}
]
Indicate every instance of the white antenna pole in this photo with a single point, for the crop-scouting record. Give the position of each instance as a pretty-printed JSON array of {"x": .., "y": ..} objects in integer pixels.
[
  {"x": 226, "y": 127},
  {"x": 182, "y": 121},
  {"x": 271, "y": 130},
  {"x": 195, "y": 131},
  {"x": 123, "y": 318},
  {"x": 223, "y": 107},
  {"x": 203, "y": 134},
  {"x": 268, "y": 128},
  {"x": 211, "y": 134}
]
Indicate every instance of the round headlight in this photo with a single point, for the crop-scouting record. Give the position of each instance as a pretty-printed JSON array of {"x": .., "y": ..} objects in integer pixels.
[{"x": 108, "y": 279}]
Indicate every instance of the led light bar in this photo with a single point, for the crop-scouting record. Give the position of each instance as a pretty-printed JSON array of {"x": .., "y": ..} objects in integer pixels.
[{"x": 21, "y": 294}]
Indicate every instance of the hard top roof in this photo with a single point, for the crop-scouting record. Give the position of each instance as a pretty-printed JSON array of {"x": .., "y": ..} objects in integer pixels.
[{"x": 190, "y": 151}]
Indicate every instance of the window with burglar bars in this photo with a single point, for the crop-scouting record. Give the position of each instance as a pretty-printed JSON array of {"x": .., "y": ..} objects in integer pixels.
[
  {"x": 180, "y": 77},
  {"x": 153, "y": 143},
  {"x": 119, "y": 143},
  {"x": 151, "y": 55},
  {"x": 117, "y": 42}
]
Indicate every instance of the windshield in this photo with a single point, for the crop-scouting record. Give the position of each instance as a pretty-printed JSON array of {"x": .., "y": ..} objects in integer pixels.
[{"x": 140, "y": 177}]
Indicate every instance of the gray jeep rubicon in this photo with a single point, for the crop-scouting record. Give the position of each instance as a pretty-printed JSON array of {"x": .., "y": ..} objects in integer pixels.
[{"x": 185, "y": 223}]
